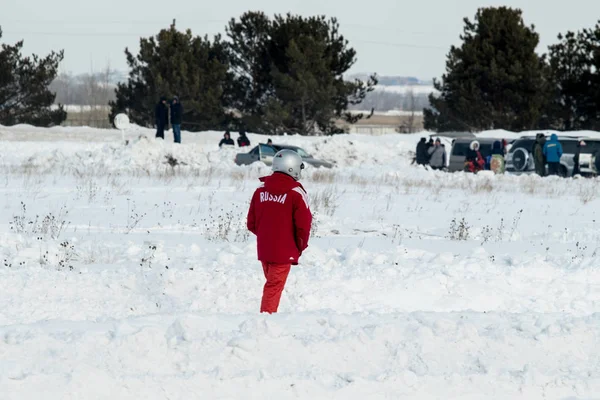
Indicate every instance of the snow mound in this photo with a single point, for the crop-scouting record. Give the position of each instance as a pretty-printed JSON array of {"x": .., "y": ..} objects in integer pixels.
[
  {"x": 416, "y": 284},
  {"x": 199, "y": 151}
]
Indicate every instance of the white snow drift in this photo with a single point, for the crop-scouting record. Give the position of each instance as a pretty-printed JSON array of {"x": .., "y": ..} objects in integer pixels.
[{"x": 126, "y": 276}]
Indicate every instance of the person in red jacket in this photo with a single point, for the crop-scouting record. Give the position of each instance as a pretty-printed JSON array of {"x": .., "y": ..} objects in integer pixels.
[{"x": 280, "y": 218}]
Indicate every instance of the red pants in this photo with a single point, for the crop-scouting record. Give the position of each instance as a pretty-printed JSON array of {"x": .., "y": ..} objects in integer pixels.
[{"x": 276, "y": 275}]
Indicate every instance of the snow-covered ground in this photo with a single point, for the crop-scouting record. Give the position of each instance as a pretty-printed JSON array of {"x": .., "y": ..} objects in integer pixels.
[
  {"x": 405, "y": 89},
  {"x": 389, "y": 113},
  {"x": 124, "y": 277}
]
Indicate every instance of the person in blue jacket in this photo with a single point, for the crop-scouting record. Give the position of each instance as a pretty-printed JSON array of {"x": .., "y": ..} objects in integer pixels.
[
  {"x": 176, "y": 116},
  {"x": 553, "y": 151}
]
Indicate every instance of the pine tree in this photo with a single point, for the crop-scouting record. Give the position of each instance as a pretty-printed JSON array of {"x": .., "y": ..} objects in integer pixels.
[
  {"x": 251, "y": 67},
  {"x": 177, "y": 64},
  {"x": 25, "y": 97},
  {"x": 575, "y": 74},
  {"x": 494, "y": 80},
  {"x": 307, "y": 88},
  {"x": 289, "y": 73}
]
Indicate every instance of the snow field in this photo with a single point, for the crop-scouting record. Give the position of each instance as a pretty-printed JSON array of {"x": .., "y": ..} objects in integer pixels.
[{"x": 123, "y": 277}]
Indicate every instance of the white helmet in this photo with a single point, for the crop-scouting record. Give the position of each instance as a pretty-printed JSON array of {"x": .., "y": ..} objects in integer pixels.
[{"x": 289, "y": 162}]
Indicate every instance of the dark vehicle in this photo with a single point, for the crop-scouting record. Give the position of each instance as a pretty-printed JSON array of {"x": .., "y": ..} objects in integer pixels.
[
  {"x": 265, "y": 152},
  {"x": 520, "y": 160},
  {"x": 461, "y": 147}
]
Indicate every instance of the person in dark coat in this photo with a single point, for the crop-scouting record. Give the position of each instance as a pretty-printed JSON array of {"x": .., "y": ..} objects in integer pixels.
[
  {"x": 497, "y": 148},
  {"x": 576, "y": 166},
  {"x": 243, "y": 140},
  {"x": 539, "y": 158},
  {"x": 226, "y": 140},
  {"x": 596, "y": 161},
  {"x": 428, "y": 146},
  {"x": 161, "y": 116},
  {"x": 421, "y": 153},
  {"x": 176, "y": 115}
]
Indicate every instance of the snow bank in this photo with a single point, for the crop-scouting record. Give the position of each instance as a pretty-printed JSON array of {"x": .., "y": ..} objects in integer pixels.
[
  {"x": 72, "y": 148},
  {"x": 324, "y": 355},
  {"x": 75, "y": 147},
  {"x": 416, "y": 285}
]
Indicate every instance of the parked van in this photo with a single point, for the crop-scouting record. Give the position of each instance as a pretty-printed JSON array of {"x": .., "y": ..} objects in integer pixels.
[
  {"x": 520, "y": 160},
  {"x": 460, "y": 147}
]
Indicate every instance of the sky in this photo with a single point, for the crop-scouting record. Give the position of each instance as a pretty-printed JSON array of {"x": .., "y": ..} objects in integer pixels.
[{"x": 391, "y": 37}]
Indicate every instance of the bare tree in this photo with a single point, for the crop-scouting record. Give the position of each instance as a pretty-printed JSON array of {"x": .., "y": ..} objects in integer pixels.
[
  {"x": 86, "y": 95},
  {"x": 413, "y": 108},
  {"x": 409, "y": 125},
  {"x": 107, "y": 88},
  {"x": 63, "y": 86},
  {"x": 90, "y": 84},
  {"x": 94, "y": 88}
]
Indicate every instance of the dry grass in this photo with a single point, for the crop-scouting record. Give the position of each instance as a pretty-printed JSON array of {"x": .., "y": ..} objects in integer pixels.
[
  {"x": 323, "y": 176},
  {"x": 325, "y": 201},
  {"x": 359, "y": 180},
  {"x": 530, "y": 186},
  {"x": 588, "y": 192},
  {"x": 119, "y": 186},
  {"x": 483, "y": 186},
  {"x": 226, "y": 225},
  {"x": 96, "y": 117},
  {"x": 34, "y": 176},
  {"x": 238, "y": 175}
]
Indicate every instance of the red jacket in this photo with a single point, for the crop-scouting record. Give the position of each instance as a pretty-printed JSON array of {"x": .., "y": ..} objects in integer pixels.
[{"x": 280, "y": 218}]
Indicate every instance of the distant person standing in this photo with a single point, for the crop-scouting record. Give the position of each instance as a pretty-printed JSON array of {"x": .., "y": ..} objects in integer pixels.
[
  {"x": 496, "y": 161},
  {"x": 176, "y": 116},
  {"x": 227, "y": 140},
  {"x": 474, "y": 161},
  {"x": 422, "y": 157},
  {"x": 161, "y": 115},
  {"x": 428, "y": 146},
  {"x": 596, "y": 161},
  {"x": 576, "y": 158},
  {"x": 437, "y": 155},
  {"x": 243, "y": 140},
  {"x": 539, "y": 159},
  {"x": 280, "y": 218},
  {"x": 553, "y": 151},
  {"x": 505, "y": 146}
]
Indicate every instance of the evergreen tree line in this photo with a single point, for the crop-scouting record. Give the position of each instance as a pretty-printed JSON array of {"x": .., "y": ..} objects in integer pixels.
[
  {"x": 273, "y": 75},
  {"x": 496, "y": 80},
  {"x": 286, "y": 74},
  {"x": 24, "y": 94}
]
